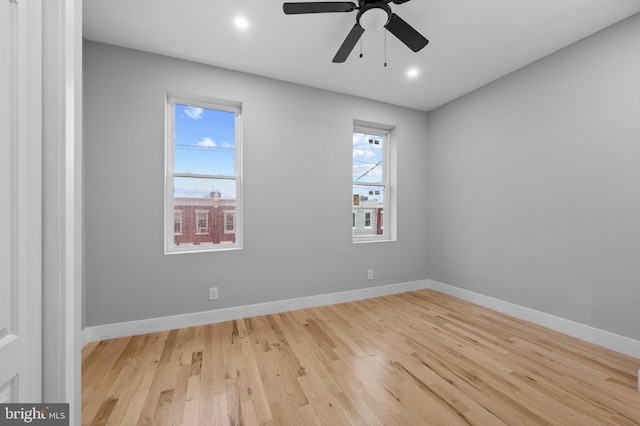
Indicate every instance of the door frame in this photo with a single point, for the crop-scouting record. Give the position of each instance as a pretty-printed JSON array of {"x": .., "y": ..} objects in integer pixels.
[{"x": 62, "y": 203}]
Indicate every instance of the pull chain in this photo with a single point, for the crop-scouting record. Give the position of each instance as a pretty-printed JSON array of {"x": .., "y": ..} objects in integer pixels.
[
  {"x": 385, "y": 47},
  {"x": 361, "y": 47}
]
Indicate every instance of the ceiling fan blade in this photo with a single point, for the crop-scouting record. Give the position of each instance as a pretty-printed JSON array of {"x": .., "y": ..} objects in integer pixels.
[
  {"x": 349, "y": 43},
  {"x": 406, "y": 33},
  {"x": 318, "y": 7}
]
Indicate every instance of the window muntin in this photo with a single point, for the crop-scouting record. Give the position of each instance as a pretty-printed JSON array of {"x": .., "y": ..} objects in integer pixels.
[
  {"x": 370, "y": 183},
  {"x": 203, "y": 174}
]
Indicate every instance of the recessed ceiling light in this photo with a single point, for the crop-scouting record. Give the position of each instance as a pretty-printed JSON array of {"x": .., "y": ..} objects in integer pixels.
[
  {"x": 241, "y": 23},
  {"x": 412, "y": 73}
]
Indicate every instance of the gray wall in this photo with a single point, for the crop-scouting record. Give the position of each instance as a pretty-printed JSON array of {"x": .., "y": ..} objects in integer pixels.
[
  {"x": 297, "y": 163},
  {"x": 534, "y": 185}
]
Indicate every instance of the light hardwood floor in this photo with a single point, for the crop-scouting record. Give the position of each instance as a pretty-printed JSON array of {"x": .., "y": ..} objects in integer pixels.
[{"x": 418, "y": 358}]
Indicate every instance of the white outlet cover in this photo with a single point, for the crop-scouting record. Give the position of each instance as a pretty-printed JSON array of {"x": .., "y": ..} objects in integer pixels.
[{"x": 213, "y": 293}]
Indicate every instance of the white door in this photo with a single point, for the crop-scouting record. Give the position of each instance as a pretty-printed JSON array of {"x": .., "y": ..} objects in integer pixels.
[{"x": 20, "y": 201}]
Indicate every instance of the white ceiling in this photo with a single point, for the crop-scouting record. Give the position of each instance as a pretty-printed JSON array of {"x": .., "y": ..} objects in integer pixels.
[{"x": 471, "y": 42}]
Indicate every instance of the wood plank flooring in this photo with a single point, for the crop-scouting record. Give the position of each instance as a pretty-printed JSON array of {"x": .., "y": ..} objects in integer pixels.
[{"x": 417, "y": 358}]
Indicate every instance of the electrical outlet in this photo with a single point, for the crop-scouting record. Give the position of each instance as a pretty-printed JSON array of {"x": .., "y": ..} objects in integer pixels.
[
  {"x": 370, "y": 274},
  {"x": 213, "y": 293}
]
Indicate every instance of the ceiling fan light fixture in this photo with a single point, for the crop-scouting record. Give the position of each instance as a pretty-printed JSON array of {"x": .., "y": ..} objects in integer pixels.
[{"x": 374, "y": 18}]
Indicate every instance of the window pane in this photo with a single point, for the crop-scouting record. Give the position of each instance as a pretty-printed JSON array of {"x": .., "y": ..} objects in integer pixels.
[
  {"x": 229, "y": 222},
  {"x": 368, "y": 207},
  {"x": 177, "y": 222},
  {"x": 205, "y": 204},
  {"x": 204, "y": 141},
  {"x": 202, "y": 222},
  {"x": 367, "y": 157}
]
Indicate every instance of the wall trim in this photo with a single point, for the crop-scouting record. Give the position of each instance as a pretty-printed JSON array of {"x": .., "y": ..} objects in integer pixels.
[
  {"x": 123, "y": 329},
  {"x": 590, "y": 334},
  {"x": 603, "y": 338}
]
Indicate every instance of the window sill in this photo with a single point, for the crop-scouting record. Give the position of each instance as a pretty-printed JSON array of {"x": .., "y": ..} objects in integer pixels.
[
  {"x": 372, "y": 240},
  {"x": 202, "y": 249}
]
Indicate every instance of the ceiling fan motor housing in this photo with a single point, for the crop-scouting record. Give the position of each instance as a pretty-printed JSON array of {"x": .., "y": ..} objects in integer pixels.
[{"x": 374, "y": 16}]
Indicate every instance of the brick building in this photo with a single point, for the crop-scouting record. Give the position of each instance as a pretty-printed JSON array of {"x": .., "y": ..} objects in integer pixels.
[{"x": 199, "y": 221}]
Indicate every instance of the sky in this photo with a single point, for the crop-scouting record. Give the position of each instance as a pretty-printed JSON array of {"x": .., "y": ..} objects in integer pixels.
[{"x": 204, "y": 144}]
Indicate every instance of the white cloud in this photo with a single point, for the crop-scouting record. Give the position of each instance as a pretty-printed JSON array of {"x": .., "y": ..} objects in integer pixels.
[
  {"x": 189, "y": 191},
  {"x": 203, "y": 191},
  {"x": 364, "y": 153},
  {"x": 206, "y": 143},
  {"x": 358, "y": 138},
  {"x": 193, "y": 112}
]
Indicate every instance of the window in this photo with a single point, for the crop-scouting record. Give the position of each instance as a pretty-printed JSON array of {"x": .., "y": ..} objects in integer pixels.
[
  {"x": 229, "y": 222},
  {"x": 367, "y": 220},
  {"x": 177, "y": 222},
  {"x": 372, "y": 186},
  {"x": 202, "y": 222},
  {"x": 203, "y": 179}
]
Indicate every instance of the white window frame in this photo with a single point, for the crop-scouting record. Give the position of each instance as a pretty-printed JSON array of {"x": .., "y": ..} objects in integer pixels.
[
  {"x": 199, "y": 229},
  {"x": 367, "y": 217},
  {"x": 177, "y": 214},
  {"x": 233, "y": 214},
  {"x": 208, "y": 103},
  {"x": 388, "y": 184}
]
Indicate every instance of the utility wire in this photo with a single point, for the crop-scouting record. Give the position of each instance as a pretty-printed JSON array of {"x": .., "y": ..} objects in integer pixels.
[{"x": 367, "y": 172}]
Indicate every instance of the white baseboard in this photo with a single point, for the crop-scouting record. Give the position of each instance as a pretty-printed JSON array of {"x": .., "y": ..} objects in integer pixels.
[
  {"x": 603, "y": 338},
  {"x": 600, "y": 337},
  {"x": 123, "y": 329}
]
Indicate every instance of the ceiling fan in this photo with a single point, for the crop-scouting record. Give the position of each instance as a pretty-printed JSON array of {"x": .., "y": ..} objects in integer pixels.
[{"x": 372, "y": 15}]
